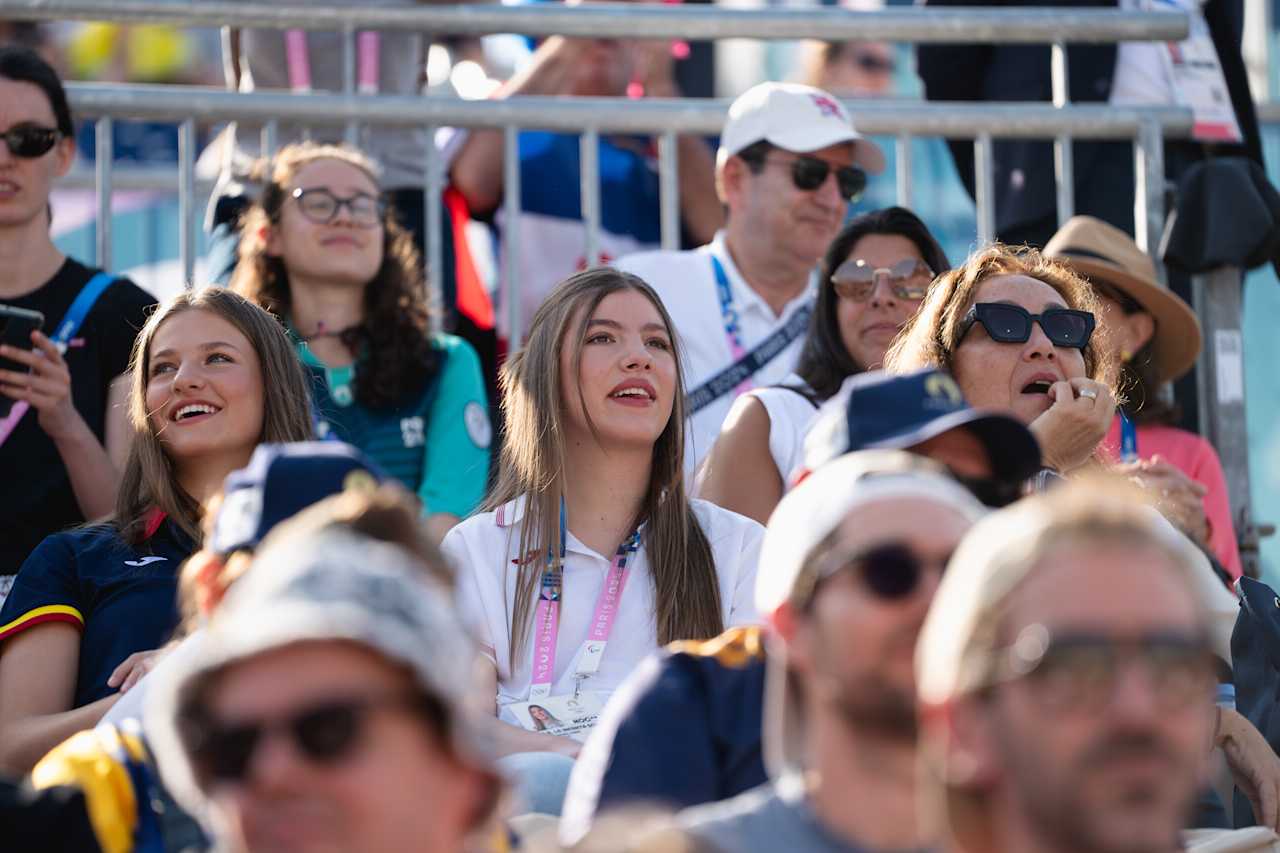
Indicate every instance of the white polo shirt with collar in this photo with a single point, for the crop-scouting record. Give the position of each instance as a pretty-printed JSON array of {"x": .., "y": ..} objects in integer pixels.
[
  {"x": 482, "y": 550},
  {"x": 687, "y": 284}
]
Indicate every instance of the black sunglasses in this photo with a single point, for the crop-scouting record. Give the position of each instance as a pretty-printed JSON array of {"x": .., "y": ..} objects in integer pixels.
[
  {"x": 991, "y": 492},
  {"x": 891, "y": 571},
  {"x": 29, "y": 140},
  {"x": 1011, "y": 324},
  {"x": 320, "y": 205},
  {"x": 325, "y": 733},
  {"x": 1079, "y": 670},
  {"x": 809, "y": 173}
]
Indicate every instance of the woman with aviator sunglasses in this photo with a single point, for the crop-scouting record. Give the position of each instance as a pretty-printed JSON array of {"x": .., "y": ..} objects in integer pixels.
[
  {"x": 873, "y": 276},
  {"x": 322, "y": 252},
  {"x": 1016, "y": 330},
  {"x": 64, "y": 431}
]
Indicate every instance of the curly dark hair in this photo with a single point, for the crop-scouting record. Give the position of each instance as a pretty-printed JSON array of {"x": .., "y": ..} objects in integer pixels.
[
  {"x": 824, "y": 362},
  {"x": 394, "y": 338}
]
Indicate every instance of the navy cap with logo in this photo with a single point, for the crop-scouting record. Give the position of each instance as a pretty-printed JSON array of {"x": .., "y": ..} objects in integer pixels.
[
  {"x": 878, "y": 410},
  {"x": 280, "y": 481}
]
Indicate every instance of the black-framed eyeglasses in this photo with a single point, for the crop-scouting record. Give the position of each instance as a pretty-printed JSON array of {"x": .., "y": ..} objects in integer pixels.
[
  {"x": 1079, "y": 669},
  {"x": 30, "y": 140},
  {"x": 1011, "y": 324},
  {"x": 325, "y": 733},
  {"x": 809, "y": 173},
  {"x": 320, "y": 205},
  {"x": 909, "y": 279},
  {"x": 891, "y": 571}
]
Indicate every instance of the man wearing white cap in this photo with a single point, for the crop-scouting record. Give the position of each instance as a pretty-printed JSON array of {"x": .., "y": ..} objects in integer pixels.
[
  {"x": 788, "y": 164},
  {"x": 854, "y": 554}
]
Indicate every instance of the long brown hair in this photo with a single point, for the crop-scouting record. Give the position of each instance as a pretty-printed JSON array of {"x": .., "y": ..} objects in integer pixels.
[
  {"x": 686, "y": 592},
  {"x": 931, "y": 337},
  {"x": 393, "y": 338},
  {"x": 149, "y": 481}
]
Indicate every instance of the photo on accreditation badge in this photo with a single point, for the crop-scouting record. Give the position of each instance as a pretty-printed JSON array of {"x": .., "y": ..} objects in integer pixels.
[{"x": 571, "y": 716}]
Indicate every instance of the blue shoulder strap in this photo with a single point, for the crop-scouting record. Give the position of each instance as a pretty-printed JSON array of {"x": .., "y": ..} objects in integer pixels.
[{"x": 80, "y": 308}]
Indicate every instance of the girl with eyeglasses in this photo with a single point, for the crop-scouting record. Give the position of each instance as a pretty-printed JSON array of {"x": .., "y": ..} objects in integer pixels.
[
  {"x": 64, "y": 434},
  {"x": 1016, "y": 330},
  {"x": 873, "y": 276},
  {"x": 321, "y": 251}
]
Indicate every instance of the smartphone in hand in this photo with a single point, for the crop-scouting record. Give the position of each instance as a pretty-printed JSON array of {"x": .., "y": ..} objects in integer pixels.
[{"x": 16, "y": 326}]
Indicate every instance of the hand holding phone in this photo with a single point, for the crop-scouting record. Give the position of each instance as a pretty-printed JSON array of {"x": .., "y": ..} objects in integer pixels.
[{"x": 16, "y": 326}]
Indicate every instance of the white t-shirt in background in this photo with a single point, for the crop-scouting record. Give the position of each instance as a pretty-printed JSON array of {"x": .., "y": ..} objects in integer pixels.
[{"x": 482, "y": 550}]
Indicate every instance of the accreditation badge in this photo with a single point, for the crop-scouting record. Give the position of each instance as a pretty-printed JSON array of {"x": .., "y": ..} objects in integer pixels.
[
  {"x": 565, "y": 715},
  {"x": 1198, "y": 81}
]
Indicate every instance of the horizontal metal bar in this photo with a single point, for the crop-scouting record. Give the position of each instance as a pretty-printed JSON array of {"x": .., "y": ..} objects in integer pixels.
[
  {"x": 910, "y": 24},
  {"x": 610, "y": 115}
]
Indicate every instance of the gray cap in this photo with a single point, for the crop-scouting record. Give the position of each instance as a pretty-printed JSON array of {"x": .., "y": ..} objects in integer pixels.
[{"x": 337, "y": 585}]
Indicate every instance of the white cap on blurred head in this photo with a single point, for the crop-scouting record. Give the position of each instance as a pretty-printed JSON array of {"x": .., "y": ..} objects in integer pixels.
[{"x": 797, "y": 118}]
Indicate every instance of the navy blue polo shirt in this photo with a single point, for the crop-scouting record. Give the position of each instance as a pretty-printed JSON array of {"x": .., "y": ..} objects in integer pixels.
[
  {"x": 122, "y": 597},
  {"x": 684, "y": 729}
]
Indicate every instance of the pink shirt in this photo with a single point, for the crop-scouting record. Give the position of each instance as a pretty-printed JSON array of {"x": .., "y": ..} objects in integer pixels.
[{"x": 1199, "y": 461}]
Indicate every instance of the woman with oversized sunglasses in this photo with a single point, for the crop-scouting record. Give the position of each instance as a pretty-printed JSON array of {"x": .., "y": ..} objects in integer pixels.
[
  {"x": 873, "y": 276},
  {"x": 64, "y": 431},
  {"x": 1016, "y": 330}
]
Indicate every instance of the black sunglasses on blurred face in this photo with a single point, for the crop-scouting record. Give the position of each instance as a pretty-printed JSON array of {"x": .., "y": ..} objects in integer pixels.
[{"x": 29, "y": 141}]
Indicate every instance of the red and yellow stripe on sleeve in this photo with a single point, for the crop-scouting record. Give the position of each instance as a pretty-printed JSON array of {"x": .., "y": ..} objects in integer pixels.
[{"x": 40, "y": 615}]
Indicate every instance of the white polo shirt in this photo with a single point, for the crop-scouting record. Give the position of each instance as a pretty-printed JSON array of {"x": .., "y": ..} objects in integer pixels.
[
  {"x": 687, "y": 284},
  {"x": 482, "y": 550}
]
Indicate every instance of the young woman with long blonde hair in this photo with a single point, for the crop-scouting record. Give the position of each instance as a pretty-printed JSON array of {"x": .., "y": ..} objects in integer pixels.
[
  {"x": 87, "y": 600},
  {"x": 590, "y": 554}
]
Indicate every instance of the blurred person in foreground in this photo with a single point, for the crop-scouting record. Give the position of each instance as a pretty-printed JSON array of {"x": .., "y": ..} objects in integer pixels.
[
  {"x": 1066, "y": 681},
  {"x": 685, "y": 729},
  {"x": 871, "y": 280},
  {"x": 324, "y": 710},
  {"x": 1155, "y": 339},
  {"x": 854, "y": 554},
  {"x": 789, "y": 163}
]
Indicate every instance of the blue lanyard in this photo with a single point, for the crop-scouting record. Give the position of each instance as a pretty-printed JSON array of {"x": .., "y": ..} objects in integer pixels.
[
  {"x": 728, "y": 313},
  {"x": 1128, "y": 439}
]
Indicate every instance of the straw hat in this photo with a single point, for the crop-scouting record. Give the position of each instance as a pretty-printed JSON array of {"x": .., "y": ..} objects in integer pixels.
[{"x": 1106, "y": 255}]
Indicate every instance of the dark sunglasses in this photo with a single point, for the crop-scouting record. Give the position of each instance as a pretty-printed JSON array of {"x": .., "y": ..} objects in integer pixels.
[
  {"x": 874, "y": 64},
  {"x": 1079, "y": 670},
  {"x": 809, "y": 173},
  {"x": 1011, "y": 324},
  {"x": 855, "y": 279},
  {"x": 991, "y": 491},
  {"x": 29, "y": 140},
  {"x": 891, "y": 571},
  {"x": 325, "y": 734},
  {"x": 320, "y": 206}
]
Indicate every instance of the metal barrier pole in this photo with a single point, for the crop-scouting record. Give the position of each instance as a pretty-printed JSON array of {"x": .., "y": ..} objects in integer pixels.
[
  {"x": 985, "y": 188},
  {"x": 270, "y": 139},
  {"x": 103, "y": 157},
  {"x": 187, "y": 200},
  {"x": 1220, "y": 391},
  {"x": 669, "y": 190},
  {"x": 903, "y": 169},
  {"x": 432, "y": 222},
  {"x": 1063, "y": 164},
  {"x": 511, "y": 236},
  {"x": 1148, "y": 191},
  {"x": 352, "y": 134},
  {"x": 589, "y": 146}
]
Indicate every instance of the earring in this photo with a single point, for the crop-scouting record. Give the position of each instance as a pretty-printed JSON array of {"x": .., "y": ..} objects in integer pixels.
[{"x": 1126, "y": 356}]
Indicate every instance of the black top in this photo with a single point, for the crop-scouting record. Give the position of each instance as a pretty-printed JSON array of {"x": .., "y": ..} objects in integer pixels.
[{"x": 37, "y": 498}]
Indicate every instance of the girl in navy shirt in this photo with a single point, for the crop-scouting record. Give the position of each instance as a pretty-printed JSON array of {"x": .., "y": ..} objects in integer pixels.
[{"x": 87, "y": 599}]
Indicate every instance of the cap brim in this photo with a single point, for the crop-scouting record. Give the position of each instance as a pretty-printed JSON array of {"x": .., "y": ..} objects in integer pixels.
[
  {"x": 1011, "y": 448},
  {"x": 866, "y": 153},
  {"x": 1177, "y": 337}
]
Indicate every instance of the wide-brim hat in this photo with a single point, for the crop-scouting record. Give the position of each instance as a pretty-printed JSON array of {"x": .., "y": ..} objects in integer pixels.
[{"x": 1104, "y": 254}]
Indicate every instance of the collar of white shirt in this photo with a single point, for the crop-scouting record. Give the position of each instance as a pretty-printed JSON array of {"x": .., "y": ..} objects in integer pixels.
[{"x": 744, "y": 295}]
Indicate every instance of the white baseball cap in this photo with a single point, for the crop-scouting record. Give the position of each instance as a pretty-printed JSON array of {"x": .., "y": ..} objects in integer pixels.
[{"x": 797, "y": 118}]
